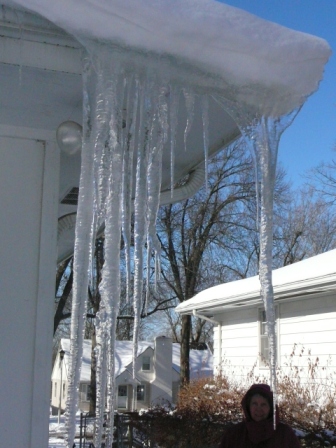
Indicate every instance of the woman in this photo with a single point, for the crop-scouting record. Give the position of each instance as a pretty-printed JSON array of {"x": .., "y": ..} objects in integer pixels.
[{"x": 257, "y": 429}]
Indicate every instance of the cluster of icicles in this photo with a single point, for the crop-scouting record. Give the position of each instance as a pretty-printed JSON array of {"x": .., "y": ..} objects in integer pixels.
[{"x": 129, "y": 119}]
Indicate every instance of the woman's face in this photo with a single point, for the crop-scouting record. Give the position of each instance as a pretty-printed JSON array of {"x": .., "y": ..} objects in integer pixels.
[{"x": 259, "y": 408}]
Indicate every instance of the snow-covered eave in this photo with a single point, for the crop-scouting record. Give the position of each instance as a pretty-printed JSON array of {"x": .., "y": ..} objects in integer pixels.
[
  {"x": 211, "y": 307},
  {"x": 273, "y": 67},
  {"x": 246, "y": 292},
  {"x": 128, "y": 380}
]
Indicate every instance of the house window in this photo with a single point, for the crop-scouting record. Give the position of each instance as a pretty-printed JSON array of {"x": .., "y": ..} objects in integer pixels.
[
  {"x": 263, "y": 339},
  {"x": 84, "y": 392},
  {"x": 141, "y": 392},
  {"x": 122, "y": 391},
  {"x": 146, "y": 363},
  {"x": 55, "y": 390},
  {"x": 63, "y": 390}
]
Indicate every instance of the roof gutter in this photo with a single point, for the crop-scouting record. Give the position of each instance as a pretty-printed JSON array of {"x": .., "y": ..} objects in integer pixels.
[
  {"x": 219, "y": 336},
  {"x": 201, "y": 316}
]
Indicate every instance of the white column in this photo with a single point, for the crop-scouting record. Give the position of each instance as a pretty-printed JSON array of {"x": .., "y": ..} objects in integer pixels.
[{"x": 29, "y": 173}]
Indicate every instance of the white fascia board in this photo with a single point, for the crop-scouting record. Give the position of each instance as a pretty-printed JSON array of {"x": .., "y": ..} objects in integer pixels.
[
  {"x": 283, "y": 291},
  {"x": 40, "y": 55},
  {"x": 27, "y": 133}
]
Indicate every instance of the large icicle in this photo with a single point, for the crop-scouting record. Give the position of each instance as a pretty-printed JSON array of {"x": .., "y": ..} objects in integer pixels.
[
  {"x": 173, "y": 114},
  {"x": 265, "y": 134},
  {"x": 262, "y": 135},
  {"x": 154, "y": 174},
  {"x": 82, "y": 257},
  {"x": 110, "y": 286},
  {"x": 129, "y": 145},
  {"x": 140, "y": 226}
]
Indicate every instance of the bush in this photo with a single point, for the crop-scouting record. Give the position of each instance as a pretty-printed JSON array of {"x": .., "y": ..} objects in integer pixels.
[{"x": 307, "y": 402}]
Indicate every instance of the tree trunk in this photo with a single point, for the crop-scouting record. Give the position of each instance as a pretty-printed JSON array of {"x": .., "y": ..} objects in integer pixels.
[{"x": 185, "y": 347}]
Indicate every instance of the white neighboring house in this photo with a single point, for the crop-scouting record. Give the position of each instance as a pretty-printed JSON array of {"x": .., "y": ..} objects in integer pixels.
[
  {"x": 157, "y": 373},
  {"x": 305, "y": 303}
]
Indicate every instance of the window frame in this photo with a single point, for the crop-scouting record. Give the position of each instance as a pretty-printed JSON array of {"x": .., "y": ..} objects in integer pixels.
[
  {"x": 144, "y": 363},
  {"x": 262, "y": 337},
  {"x": 84, "y": 391},
  {"x": 143, "y": 392}
]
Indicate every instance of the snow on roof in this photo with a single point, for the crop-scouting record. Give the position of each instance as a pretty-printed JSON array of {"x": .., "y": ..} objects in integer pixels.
[
  {"x": 201, "y": 361},
  {"x": 268, "y": 63},
  {"x": 309, "y": 274}
]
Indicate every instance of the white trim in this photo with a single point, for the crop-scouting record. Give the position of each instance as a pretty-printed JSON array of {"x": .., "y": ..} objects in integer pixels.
[
  {"x": 46, "y": 286},
  {"x": 315, "y": 274},
  {"x": 27, "y": 133},
  {"x": 143, "y": 363},
  {"x": 40, "y": 55}
]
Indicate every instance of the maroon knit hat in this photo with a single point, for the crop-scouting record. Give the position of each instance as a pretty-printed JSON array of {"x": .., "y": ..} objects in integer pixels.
[{"x": 257, "y": 389}]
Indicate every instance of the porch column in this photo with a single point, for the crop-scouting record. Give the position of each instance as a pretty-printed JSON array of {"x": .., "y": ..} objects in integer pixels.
[{"x": 29, "y": 176}]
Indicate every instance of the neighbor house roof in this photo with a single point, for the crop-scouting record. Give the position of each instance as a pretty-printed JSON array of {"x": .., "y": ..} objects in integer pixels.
[
  {"x": 315, "y": 274},
  {"x": 201, "y": 361}
]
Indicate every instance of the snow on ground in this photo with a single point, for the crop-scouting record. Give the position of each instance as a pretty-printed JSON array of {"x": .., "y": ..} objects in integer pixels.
[{"x": 57, "y": 431}]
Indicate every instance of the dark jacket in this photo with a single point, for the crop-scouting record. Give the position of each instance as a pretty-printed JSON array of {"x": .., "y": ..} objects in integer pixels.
[{"x": 251, "y": 434}]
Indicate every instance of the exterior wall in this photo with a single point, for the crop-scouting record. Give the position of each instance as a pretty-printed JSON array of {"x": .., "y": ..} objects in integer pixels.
[
  {"x": 56, "y": 384},
  {"x": 158, "y": 380},
  {"x": 125, "y": 379},
  {"x": 239, "y": 345},
  {"x": 311, "y": 323},
  {"x": 161, "y": 385},
  {"x": 307, "y": 322},
  {"x": 29, "y": 172},
  {"x": 55, "y": 395}
]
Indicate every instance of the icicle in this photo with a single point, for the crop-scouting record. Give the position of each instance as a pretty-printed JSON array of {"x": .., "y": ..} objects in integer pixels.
[
  {"x": 173, "y": 114},
  {"x": 154, "y": 173},
  {"x": 129, "y": 143},
  {"x": 83, "y": 242},
  {"x": 262, "y": 134},
  {"x": 190, "y": 106},
  {"x": 140, "y": 209},
  {"x": 110, "y": 284},
  {"x": 101, "y": 373},
  {"x": 205, "y": 121}
]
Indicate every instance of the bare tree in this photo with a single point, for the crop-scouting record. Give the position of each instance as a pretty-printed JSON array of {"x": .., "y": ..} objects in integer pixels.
[
  {"x": 307, "y": 227},
  {"x": 201, "y": 228},
  {"x": 322, "y": 180}
]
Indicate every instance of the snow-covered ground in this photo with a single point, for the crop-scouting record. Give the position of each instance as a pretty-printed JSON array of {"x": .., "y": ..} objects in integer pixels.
[{"x": 57, "y": 432}]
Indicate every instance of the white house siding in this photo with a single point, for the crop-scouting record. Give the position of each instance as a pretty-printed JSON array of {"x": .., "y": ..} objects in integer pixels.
[
  {"x": 55, "y": 394},
  {"x": 239, "y": 342},
  {"x": 307, "y": 322},
  {"x": 143, "y": 376},
  {"x": 56, "y": 384},
  {"x": 311, "y": 324}
]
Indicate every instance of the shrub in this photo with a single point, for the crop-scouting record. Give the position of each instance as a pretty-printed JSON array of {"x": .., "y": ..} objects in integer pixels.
[{"x": 306, "y": 396}]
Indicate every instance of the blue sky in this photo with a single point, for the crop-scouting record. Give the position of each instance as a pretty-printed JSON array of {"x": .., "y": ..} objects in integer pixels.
[{"x": 312, "y": 136}]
